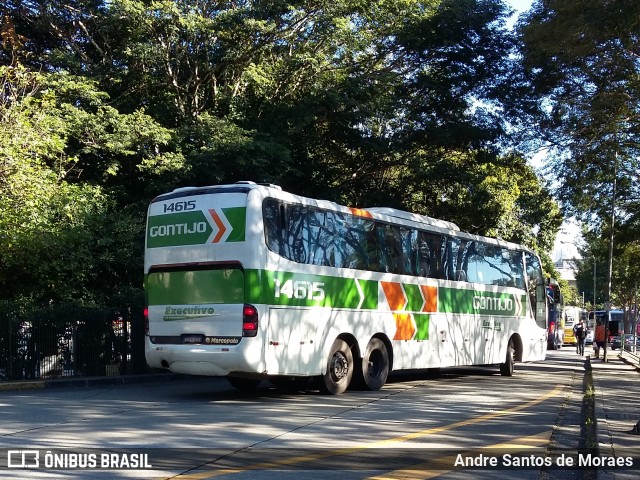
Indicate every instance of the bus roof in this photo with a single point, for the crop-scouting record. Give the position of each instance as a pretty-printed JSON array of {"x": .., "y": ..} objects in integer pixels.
[
  {"x": 393, "y": 212},
  {"x": 385, "y": 214}
]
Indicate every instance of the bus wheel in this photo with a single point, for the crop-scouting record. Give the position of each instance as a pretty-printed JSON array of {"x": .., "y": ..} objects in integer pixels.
[
  {"x": 506, "y": 368},
  {"x": 375, "y": 364},
  {"x": 339, "y": 368},
  {"x": 244, "y": 384}
]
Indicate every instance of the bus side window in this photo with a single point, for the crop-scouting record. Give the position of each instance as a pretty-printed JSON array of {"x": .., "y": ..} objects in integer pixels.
[
  {"x": 297, "y": 247},
  {"x": 321, "y": 238},
  {"x": 385, "y": 256},
  {"x": 406, "y": 263},
  {"x": 517, "y": 269},
  {"x": 475, "y": 258},
  {"x": 449, "y": 249},
  {"x": 537, "y": 289},
  {"x": 394, "y": 253},
  {"x": 422, "y": 253},
  {"x": 428, "y": 255},
  {"x": 487, "y": 270},
  {"x": 351, "y": 235},
  {"x": 465, "y": 251},
  {"x": 272, "y": 225}
]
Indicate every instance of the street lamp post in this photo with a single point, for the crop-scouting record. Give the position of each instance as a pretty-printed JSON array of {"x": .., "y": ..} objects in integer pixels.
[
  {"x": 610, "y": 273},
  {"x": 594, "y": 283}
]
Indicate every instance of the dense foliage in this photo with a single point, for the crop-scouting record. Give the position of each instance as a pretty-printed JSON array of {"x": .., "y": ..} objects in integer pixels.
[
  {"x": 105, "y": 104},
  {"x": 581, "y": 60}
]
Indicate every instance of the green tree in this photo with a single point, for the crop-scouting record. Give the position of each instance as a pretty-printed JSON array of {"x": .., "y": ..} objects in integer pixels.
[
  {"x": 377, "y": 102},
  {"x": 626, "y": 270},
  {"x": 581, "y": 60},
  {"x": 64, "y": 236}
]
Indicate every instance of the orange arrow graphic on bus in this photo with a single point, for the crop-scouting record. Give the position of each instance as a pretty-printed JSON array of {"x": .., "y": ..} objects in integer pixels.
[
  {"x": 221, "y": 228},
  {"x": 395, "y": 295},
  {"x": 397, "y": 300},
  {"x": 430, "y": 295}
]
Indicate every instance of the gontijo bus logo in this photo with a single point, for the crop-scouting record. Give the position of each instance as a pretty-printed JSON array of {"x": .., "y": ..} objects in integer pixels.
[
  {"x": 495, "y": 304},
  {"x": 197, "y": 227}
]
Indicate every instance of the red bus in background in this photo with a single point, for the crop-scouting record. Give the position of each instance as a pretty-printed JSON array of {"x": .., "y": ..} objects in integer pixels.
[{"x": 555, "y": 317}]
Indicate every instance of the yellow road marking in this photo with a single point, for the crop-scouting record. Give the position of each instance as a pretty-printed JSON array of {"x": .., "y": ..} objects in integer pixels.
[{"x": 377, "y": 444}]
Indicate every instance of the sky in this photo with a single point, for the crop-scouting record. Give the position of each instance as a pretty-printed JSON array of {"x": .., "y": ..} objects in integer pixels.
[
  {"x": 519, "y": 5},
  {"x": 569, "y": 237}
]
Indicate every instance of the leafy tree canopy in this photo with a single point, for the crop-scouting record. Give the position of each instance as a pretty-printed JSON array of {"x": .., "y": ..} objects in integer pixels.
[
  {"x": 581, "y": 60},
  {"x": 379, "y": 102},
  {"x": 64, "y": 231},
  {"x": 581, "y": 57}
]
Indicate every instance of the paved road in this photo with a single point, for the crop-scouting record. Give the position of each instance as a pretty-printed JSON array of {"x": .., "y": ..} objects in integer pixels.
[{"x": 417, "y": 426}]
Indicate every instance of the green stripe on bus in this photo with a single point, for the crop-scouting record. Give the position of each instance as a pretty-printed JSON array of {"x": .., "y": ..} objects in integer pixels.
[
  {"x": 422, "y": 323},
  {"x": 451, "y": 300},
  {"x": 370, "y": 294},
  {"x": 237, "y": 219},
  {"x": 234, "y": 285},
  {"x": 304, "y": 290},
  {"x": 415, "y": 300}
]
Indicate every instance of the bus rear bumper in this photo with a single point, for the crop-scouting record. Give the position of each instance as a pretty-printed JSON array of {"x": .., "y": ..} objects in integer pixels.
[{"x": 191, "y": 360}]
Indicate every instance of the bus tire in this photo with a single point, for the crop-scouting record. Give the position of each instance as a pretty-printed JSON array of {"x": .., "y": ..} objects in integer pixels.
[
  {"x": 339, "y": 371},
  {"x": 244, "y": 384},
  {"x": 506, "y": 368},
  {"x": 375, "y": 365}
]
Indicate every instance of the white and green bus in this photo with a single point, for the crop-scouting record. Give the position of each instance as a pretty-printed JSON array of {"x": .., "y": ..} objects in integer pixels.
[{"x": 250, "y": 282}]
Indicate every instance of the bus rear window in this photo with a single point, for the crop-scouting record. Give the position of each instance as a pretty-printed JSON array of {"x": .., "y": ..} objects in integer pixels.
[{"x": 195, "y": 286}]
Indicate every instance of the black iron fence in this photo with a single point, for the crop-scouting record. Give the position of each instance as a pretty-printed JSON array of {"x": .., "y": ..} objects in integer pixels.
[{"x": 70, "y": 340}]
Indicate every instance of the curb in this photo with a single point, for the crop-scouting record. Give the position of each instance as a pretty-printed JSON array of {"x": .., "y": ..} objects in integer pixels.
[
  {"x": 589, "y": 435},
  {"x": 629, "y": 362},
  {"x": 81, "y": 382},
  {"x": 26, "y": 385},
  {"x": 604, "y": 441}
]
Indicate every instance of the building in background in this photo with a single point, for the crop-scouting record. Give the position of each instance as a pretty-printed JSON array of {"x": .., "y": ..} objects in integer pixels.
[{"x": 566, "y": 268}]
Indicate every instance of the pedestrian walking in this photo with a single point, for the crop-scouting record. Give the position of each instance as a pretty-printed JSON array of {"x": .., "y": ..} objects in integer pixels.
[
  {"x": 580, "y": 333},
  {"x": 599, "y": 338}
]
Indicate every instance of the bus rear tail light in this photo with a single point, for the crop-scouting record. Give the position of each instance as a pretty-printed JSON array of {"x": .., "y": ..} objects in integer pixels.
[
  {"x": 146, "y": 320},
  {"x": 249, "y": 321}
]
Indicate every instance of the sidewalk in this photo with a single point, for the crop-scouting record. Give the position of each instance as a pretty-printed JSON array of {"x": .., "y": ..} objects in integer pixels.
[
  {"x": 617, "y": 409},
  {"x": 88, "y": 381}
]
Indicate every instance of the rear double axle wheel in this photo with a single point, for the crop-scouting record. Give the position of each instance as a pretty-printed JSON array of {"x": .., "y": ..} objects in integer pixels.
[
  {"x": 339, "y": 370},
  {"x": 369, "y": 373}
]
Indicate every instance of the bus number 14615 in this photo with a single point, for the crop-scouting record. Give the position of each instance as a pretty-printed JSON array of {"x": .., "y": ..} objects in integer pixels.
[{"x": 299, "y": 289}]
